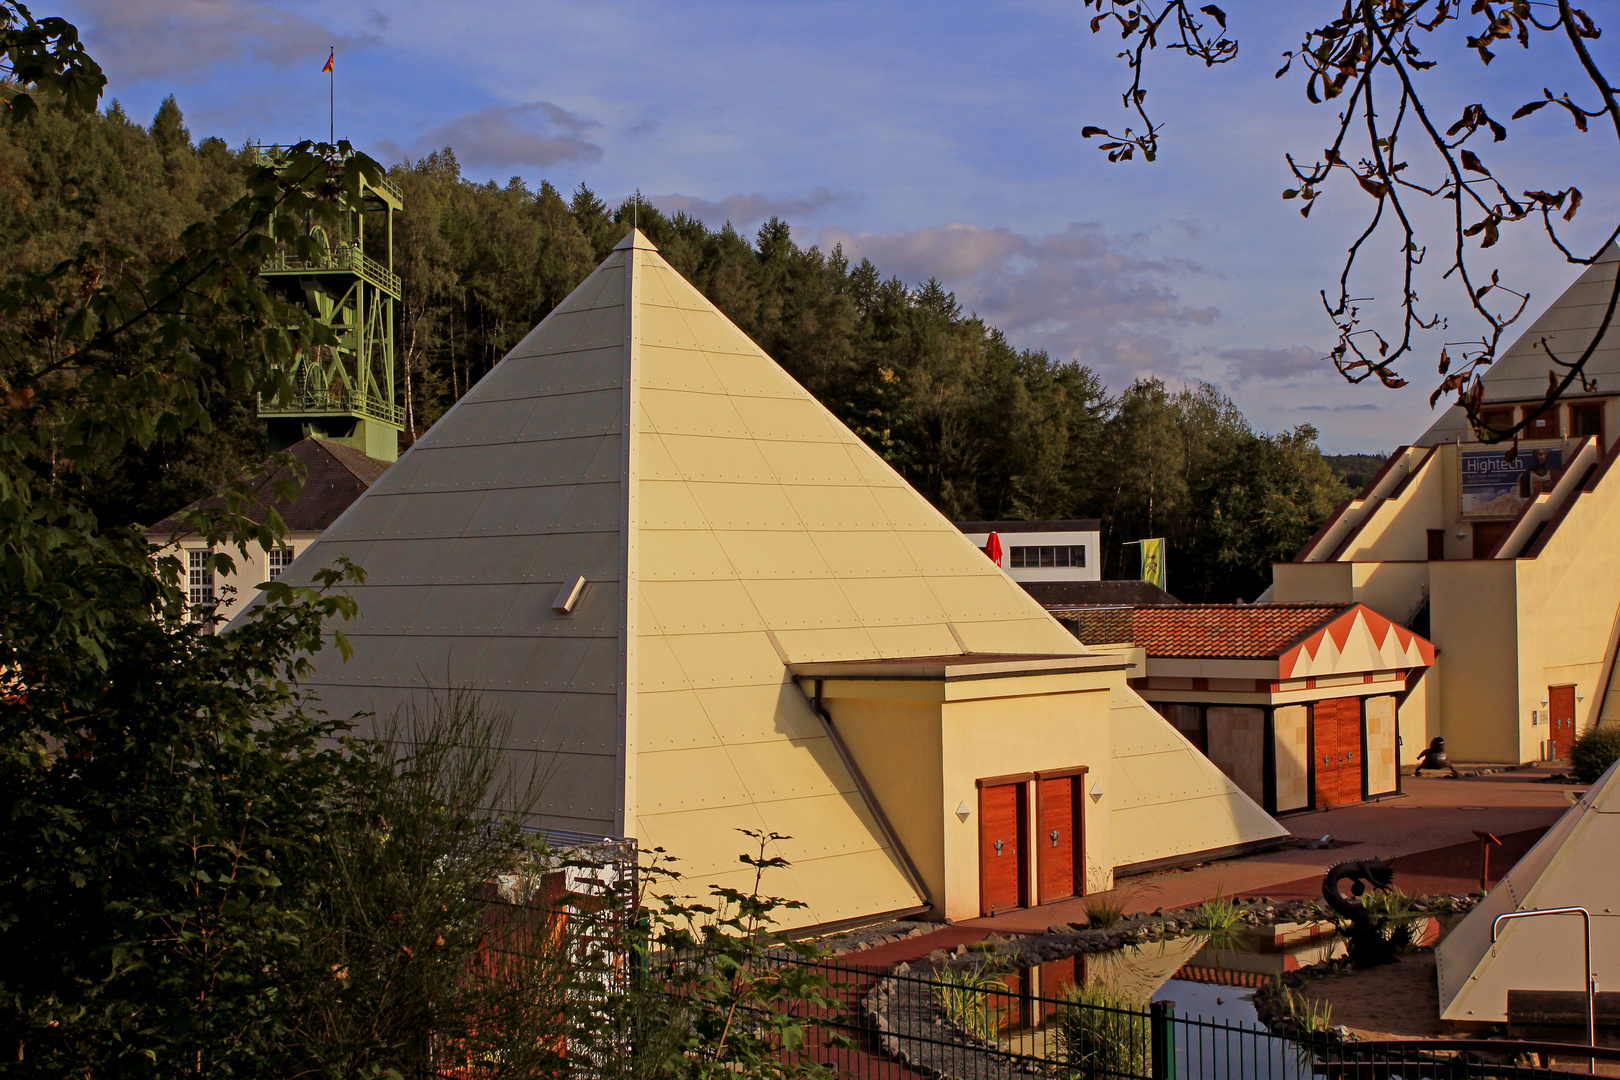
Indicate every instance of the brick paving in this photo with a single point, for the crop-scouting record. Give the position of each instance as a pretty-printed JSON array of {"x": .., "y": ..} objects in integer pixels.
[
  {"x": 1427, "y": 831},
  {"x": 1433, "y": 814}
]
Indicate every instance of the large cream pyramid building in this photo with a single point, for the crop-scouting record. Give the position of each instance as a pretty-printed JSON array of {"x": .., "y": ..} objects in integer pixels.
[{"x": 775, "y": 632}]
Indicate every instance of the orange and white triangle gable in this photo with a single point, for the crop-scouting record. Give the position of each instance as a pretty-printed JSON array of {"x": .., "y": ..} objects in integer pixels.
[{"x": 1360, "y": 640}]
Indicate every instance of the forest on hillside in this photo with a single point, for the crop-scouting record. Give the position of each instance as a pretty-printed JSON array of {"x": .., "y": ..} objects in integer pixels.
[{"x": 983, "y": 429}]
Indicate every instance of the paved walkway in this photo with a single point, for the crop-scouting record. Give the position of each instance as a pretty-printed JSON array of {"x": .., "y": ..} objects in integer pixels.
[
  {"x": 1428, "y": 832},
  {"x": 1433, "y": 814}
]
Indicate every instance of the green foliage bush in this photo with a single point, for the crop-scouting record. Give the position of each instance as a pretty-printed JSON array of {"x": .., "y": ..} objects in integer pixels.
[{"x": 1594, "y": 752}]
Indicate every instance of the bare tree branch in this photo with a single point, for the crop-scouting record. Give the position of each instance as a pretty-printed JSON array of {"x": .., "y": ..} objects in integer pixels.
[{"x": 1371, "y": 51}]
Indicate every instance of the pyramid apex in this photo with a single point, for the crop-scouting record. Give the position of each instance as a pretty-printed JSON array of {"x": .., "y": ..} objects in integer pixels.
[{"x": 635, "y": 241}]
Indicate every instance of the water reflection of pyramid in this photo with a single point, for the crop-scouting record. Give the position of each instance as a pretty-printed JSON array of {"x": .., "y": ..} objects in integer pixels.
[{"x": 1136, "y": 972}]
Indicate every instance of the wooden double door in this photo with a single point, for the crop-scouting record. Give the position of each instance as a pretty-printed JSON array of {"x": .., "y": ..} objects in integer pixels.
[
  {"x": 1006, "y": 840},
  {"x": 1336, "y": 752}
]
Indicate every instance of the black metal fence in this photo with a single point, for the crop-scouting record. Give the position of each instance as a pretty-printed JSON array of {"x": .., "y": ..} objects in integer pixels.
[{"x": 999, "y": 1026}]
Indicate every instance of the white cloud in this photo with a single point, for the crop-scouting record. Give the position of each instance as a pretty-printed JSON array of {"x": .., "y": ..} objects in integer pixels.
[
  {"x": 742, "y": 210},
  {"x": 170, "y": 39},
  {"x": 538, "y": 134},
  {"x": 1273, "y": 364},
  {"x": 1079, "y": 294}
]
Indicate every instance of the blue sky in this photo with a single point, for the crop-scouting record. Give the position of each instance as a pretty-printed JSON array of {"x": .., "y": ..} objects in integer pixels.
[{"x": 940, "y": 139}]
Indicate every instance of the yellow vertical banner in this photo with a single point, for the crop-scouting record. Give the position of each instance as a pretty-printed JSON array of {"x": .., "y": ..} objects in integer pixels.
[{"x": 1153, "y": 561}]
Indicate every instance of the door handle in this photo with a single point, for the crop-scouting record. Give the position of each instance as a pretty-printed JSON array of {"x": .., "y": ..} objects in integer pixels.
[
  {"x": 1054, "y": 837},
  {"x": 998, "y": 847}
]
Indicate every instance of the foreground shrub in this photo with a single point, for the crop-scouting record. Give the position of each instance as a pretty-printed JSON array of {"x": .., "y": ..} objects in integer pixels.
[{"x": 1594, "y": 752}]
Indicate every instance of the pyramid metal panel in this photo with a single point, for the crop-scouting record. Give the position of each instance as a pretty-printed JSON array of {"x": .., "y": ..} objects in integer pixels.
[
  {"x": 681, "y": 412},
  {"x": 672, "y": 720},
  {"x": 740, "y": 714},
  {"x": 733, "y": 503},
  {"x": 760, "y": 553},
  {"x": 705, "y": 458},
  {"x": 1572, "y": 865},
  {"x": 691, "y": 778}
]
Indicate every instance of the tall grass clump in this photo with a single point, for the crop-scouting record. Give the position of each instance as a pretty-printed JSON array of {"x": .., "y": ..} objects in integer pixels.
[
  {"x": 1104, "y": 911},
  {"x": 1311, "y": 1014},
  {"x": 1396, "y": 915},
  {"x": 1220, "y": 921},
  {"x": 1102, "y": 1033},
  {"x": 969, "y": 999}
]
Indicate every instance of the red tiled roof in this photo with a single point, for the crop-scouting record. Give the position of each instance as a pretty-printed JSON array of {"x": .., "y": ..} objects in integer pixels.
[
  {"x": 335, "y": 475},
  {"x": 1076, "y": 594},
  {"x": 1223, "y": 631}
]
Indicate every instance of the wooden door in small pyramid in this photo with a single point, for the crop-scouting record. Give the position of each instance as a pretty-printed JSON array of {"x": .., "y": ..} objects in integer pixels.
[
  {"x": 1059, "y": 849},
  {"x": 1003, "y": 869}
]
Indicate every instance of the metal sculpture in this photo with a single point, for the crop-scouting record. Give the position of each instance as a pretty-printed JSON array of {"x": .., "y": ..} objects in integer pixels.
[
  {"x": 1367, "y": 943},
  {"x": 1434, "y": 758}
]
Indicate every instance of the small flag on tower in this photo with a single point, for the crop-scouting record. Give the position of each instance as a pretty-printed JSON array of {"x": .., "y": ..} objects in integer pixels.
[{"x": 327, "y": 70}]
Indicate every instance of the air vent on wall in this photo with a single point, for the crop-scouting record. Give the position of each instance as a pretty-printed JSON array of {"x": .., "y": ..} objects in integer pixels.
[{"x": 568, "y": 594}]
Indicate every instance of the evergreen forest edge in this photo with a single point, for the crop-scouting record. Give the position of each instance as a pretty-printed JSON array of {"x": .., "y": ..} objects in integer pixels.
[{"x": 982, "y": 429}]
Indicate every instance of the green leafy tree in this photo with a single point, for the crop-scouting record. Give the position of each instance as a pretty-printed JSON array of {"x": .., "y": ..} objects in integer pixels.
[{"x": 157, "y": 776}]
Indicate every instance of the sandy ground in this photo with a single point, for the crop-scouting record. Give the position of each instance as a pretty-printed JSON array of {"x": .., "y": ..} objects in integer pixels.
[
  {"x": 1397, "y": 1001},
  {"x": 1400, "y": 1001}
]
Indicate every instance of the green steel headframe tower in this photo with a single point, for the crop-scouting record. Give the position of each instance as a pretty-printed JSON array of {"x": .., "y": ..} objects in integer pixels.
[{"x": 345, "y": 393}]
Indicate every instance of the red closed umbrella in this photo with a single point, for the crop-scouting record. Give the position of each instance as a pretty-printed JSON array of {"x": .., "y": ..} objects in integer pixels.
[{"x": 993, "y": 548}]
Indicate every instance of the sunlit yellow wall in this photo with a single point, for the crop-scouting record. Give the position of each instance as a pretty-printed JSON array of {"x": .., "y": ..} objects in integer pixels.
[
  {"x": 1393, "y": 589},
  {"x": 1323, "y": 583},
  {"x": 896, "y": 743},
  {"x": 922, "y": 745},
  {"x": 1472, "y": 622},
  {"x": 1397, "y": 528},
  {"x": 1568, "y": 598},
  {"x": 1419, "y": 718},
  {"x": 991, "y": 737}
]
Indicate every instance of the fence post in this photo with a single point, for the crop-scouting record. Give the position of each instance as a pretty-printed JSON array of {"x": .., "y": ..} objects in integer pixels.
[{"x": 1162, "y": 1039}]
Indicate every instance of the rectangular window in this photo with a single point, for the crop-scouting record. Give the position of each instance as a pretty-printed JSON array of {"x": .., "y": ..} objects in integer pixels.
[
  {"x": 1544, "y": 426},
  {"x": 280, "y": 559},
  {"x": 1437, "y": 545},
  {"x": 1497, "y": 419},
  {"x": 1587, "y": 420},
  {"x": 1060, "y": 555},
  {"x": 200, "y": 584}
]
